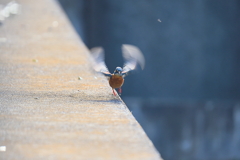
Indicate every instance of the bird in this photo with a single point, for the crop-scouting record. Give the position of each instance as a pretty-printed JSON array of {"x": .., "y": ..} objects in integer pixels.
[{"x": 132, "y": 57}]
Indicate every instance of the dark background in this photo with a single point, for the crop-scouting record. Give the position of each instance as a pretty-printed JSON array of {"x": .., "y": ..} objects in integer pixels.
[{"x": 187, "y": 97}]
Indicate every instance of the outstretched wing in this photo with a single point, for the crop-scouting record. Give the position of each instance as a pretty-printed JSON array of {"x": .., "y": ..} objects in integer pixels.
[
  {"x": 99, "y": 64},
  {"x": 132, "y": 56}
]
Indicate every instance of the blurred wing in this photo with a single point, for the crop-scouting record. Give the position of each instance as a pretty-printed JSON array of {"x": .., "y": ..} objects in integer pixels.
[
  {"x": 132, "y": 56},
  {"x": 99, "y": 64}
]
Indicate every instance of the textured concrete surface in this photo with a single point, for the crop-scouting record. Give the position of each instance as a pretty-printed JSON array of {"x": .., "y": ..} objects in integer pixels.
[{"x": 46, "y": 110}]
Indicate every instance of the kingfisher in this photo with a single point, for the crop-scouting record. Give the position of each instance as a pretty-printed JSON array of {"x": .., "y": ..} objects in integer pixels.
[{"x": 132, "y": 57}]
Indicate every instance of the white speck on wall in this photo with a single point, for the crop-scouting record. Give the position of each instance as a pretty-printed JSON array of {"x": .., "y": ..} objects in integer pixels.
[
  {"x": 3, "y": 148},
  {"x": 55, "y": 23}
]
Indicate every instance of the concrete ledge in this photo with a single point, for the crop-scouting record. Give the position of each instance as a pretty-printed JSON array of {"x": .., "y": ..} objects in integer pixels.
[{"x": 46, "y": 112}]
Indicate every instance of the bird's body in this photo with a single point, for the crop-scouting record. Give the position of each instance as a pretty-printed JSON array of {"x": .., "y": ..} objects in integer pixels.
[
  {"x": 132, "y": 56},
  {"x": 116, "y": 81}
]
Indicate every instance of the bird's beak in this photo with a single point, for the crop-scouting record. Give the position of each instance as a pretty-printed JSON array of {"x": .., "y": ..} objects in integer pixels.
[{"x": 117, "y": 72}]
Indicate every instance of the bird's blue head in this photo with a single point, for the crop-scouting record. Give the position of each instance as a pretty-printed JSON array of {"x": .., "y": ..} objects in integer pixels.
[{"x": 118, "y": 71}]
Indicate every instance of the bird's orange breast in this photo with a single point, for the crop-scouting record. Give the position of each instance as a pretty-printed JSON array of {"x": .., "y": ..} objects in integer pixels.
[{"x": 116, "y": 81}]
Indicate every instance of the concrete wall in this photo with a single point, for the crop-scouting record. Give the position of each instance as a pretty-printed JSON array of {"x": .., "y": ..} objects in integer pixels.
[{"x": 52, "y": 105}]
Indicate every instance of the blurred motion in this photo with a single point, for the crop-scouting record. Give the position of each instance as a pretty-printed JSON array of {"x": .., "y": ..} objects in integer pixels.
[
  {"x": 187, "y": 98},
  {"x": 132, "y": 56},
  {"x": 12, "y": 8}
]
